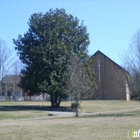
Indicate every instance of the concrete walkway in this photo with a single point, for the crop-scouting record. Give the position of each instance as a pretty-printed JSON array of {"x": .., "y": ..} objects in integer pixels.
[{"x": 70, "y": 114}]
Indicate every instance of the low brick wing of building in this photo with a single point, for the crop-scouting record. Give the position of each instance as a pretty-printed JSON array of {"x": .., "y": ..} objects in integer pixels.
[{"x": 111, "y": 79}]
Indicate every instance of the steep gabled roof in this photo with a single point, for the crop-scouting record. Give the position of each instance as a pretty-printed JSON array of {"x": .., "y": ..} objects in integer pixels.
[
  {"x": 11, "y": 78},
  {"x": 99, "y": 52}
]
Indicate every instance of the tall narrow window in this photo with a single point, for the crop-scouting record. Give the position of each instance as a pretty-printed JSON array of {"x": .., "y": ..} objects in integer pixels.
[{"x": 99, "y": 75}]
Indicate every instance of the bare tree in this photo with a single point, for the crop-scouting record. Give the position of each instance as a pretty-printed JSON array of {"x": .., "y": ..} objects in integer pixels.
[
  {"x": 80, "y": 83},
  {"x": 5, "y": 61},
  {"x": 131, "y": 62},
  {"x": 16, "y": 67}
]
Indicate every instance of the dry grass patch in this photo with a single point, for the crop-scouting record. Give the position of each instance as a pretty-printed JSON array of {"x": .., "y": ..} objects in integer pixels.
[
  {"x": 15, "y": 115},
  {"x": 28, "y": 103},
  {"x": 83, "y": 128},
  {"x": 103, "y": 106},
  {"x": 87, "y": 106},
  {"x": 100, "y": 126}
]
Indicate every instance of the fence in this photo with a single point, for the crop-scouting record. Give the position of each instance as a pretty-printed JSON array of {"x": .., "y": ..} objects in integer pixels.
[{"x": 25, "y": 98}]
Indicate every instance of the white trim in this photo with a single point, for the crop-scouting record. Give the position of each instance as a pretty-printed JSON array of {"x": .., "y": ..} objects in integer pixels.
[{"x": 99, "y": 75}]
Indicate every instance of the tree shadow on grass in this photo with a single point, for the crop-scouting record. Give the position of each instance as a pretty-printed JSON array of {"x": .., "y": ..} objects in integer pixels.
[
  {"x": 111, "y": 115},
  {"x": 34, "y": 107}
]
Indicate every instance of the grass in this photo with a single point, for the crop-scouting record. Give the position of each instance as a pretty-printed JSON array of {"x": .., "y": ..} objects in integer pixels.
[
  {"x": 37, "y": 125},
  {"x": 87, "y": 106},
  {"x": 16, "y": 115},
  {"x": 103, "y": 106},
  {"x": 16, "y": 103}
]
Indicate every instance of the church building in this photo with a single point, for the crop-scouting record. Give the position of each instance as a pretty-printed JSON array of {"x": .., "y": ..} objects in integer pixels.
[{"x": 111, "y": 79}]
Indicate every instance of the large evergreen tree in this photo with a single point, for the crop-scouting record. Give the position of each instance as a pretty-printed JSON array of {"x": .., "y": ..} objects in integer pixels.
[{"x": 46, "y": 48}]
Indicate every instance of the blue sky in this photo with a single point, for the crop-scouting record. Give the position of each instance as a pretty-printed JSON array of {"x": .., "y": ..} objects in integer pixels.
[{"x": 110, "y": 23}]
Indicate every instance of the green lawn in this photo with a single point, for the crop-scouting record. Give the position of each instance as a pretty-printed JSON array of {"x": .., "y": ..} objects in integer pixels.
[{"x": 37, "y": 125}]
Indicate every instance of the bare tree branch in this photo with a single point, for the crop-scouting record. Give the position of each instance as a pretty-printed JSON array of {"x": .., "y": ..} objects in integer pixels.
[
  {"x": 5, "y": 59},
  {"x": 16, "y": 67},
  {"x": 80, "y": 83},
  {"x": 131, "y": 62},
  {"x": 5, "y": 62}
]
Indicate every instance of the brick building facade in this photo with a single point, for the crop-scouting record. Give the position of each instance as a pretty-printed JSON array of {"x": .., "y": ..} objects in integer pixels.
[{"x": 111, "y": 79}]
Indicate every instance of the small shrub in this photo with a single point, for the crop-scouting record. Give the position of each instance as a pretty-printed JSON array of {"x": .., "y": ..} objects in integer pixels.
[
  {"x": 134, "y": 96},
  {"x": 73, "y": 106}
]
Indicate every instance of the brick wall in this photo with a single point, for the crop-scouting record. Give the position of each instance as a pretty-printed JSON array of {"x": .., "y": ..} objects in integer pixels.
[{"x": 111, "y": 84}]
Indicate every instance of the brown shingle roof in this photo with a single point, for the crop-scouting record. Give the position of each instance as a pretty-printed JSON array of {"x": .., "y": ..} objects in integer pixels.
[{"x": 11, "y": 78}]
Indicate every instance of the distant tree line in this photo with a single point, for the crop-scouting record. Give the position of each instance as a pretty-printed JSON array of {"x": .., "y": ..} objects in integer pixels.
[
  {"x": 131, "y": 62},
  {"x": 9, "y": 64}
]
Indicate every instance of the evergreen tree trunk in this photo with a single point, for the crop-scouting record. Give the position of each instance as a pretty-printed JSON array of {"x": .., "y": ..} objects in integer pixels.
[
  {"x": 55, "y": 100},
  {"x": 58, "y": 101},
  {"x": 52, "y": 100}
]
